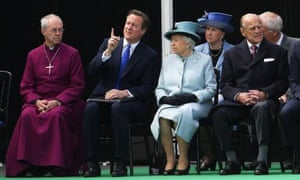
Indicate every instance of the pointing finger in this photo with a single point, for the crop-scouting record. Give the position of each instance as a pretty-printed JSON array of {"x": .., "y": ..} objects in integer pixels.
[{"x": 112, "y": 33}]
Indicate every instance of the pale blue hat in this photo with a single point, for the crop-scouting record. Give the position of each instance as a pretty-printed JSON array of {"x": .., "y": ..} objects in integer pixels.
[
  {"x": 218, "y": 20},
  {"x": 187, "y": 28}
]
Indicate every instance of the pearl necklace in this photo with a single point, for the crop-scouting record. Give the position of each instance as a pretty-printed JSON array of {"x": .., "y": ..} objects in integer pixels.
[
  {"x": 216, "y": 54},
  {"x": 50, "y": 65}
]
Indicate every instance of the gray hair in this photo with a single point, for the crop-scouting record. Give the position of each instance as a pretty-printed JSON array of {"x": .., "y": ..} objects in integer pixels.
[
  {"x": 45, "y": 20},
  {"x": 189, "y": 41},
  {"x": 271, "y": 20}
]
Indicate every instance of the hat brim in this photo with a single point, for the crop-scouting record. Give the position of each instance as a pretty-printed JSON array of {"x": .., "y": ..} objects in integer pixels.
[
  {"x": 223, "y": 26},
  {"x": 192, "y": 35}
]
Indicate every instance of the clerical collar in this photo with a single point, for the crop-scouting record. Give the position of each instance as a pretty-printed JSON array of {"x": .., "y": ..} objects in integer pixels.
[{"x": 51, "y": 48}]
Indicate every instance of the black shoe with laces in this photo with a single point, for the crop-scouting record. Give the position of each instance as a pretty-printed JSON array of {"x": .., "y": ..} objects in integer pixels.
[
  {"x": 230, "y": 168},
  {"x": 119, "y": 169},
  {"x": 250, "y": 166},
  {"x": 93, "y": 170},
  {"x": 261, "y": 168}
]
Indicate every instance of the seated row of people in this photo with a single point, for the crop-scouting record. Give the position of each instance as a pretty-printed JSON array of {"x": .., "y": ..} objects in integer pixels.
[{"x": 184, "y": 84}]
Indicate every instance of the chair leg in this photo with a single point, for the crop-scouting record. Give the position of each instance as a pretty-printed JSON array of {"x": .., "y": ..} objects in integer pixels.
[
  {"x": 130, "y": 153},
  {"x": 212, "y": 139},
  {"x": 294, "y": 159},
  {"x": 217, "y": 147},
  {"x": 147, "y": 147},
  {"x": 198, "y": 151}
]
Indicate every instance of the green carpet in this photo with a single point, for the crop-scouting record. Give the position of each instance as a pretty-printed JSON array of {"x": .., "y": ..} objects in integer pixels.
[{"x": 141, "y": 173}]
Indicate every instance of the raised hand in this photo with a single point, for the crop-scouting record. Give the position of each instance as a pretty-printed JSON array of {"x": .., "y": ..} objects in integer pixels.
[{"x": 112, "y": 42}]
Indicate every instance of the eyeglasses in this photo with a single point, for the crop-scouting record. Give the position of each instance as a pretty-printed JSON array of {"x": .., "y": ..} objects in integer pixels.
[{"x": 57, "y": 30}]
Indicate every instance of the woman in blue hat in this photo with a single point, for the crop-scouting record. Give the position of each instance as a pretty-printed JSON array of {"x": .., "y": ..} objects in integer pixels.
[
  {"x": 215, "y": 26},
  {"x": 186, "y": 86}
]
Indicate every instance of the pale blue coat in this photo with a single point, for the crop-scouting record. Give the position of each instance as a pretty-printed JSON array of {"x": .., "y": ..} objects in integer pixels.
[{"x": 194, "y": 75}]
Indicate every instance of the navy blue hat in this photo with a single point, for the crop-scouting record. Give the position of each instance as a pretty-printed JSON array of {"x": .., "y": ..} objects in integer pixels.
[
  {"x": 187, "y": 28},
  {"x": 218, "y": 20}
]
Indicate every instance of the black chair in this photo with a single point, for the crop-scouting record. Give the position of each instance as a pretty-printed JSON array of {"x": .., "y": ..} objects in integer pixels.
[
  {"x": 5, "y": 85},
  {"x": 206, "y": 123},
  {"x": 207, "y": 126},
  {"x": 136, "y": 130},
  {"x": 139, "y": 128},
  {"x": 245, "y": 134}
]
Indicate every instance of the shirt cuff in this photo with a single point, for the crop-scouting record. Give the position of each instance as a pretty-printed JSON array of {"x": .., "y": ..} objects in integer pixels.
[
  {"x": 236, "y": 96},
  {"x": 130, "y": 95},
  {"x": 105, "y": 58}
]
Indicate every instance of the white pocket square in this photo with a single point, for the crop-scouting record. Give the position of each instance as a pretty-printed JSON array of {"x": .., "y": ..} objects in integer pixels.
[{"x": 269, "y": 59}]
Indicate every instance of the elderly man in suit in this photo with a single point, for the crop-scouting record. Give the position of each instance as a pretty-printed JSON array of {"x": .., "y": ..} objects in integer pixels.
[
  {"x": 136, "y": 80},
  {"x": 252, "y": 81},
  {"x": 272, "y": 26}
]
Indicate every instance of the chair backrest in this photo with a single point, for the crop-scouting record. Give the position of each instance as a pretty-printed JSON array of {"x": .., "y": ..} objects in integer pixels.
[{"x": 5, "y": 85}]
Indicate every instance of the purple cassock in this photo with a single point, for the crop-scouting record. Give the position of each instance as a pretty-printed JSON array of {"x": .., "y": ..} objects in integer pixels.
[{"x": 53, "y": 138}]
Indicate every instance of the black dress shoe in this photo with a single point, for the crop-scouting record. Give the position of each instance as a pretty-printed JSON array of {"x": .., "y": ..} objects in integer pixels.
[
  {"x": 296, "y": 170},
  {"x": 231, "y": 168},
  {"x": 169, "y": 171},
  {"x": 119, "y": 169},
  {"x": 250, "y": 166},
  {"x": 93, "y": 170},
  {"x": 261, "y": 168},
  {"x": 183, "y": 171},
  {"x": 38, "y": 171},
  {"x": 206, "y": 165},
  {"x": 287, "y": 165}
]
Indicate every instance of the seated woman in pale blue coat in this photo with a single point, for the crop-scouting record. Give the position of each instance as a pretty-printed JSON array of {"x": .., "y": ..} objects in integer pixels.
[{"x": 184, "y": 93}]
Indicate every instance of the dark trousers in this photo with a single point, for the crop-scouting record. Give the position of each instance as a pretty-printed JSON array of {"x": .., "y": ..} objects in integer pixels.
[
  {"x": 262, "y": 113},
  {"x": 118, "y": 116},
  {"x": 286, "y": 140},
  {"x": 289, "y": 117}
]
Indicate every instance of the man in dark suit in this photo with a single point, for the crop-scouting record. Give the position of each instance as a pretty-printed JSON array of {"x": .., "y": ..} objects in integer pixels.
[
  {"x": 272, "y": 26},
  {"x": 251, "y": 83},
  {"x": 290, "y": 112},
  {"x": 137, "y": 81}
]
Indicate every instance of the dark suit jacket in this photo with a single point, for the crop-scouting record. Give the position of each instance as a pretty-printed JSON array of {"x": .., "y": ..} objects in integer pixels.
[
  {"x": 140, "y": 75},
  {"x": 295, "y": 70},
  {"x": 287, "y": 42},
  {"x": 267, "y": 72}
]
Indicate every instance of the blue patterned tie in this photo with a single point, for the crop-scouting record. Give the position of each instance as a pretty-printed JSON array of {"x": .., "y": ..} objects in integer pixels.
[{"x": 124, "y": 60}]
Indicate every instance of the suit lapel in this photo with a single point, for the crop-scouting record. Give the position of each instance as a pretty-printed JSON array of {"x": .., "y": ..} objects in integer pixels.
[
  {"x": 133, "y": 59},
  {"x": 244, "y": 52},
  {"x": 261, "y": 53}
]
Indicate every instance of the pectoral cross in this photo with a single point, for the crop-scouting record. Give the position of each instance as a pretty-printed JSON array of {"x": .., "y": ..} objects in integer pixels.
[{"x": 49, "y": 67}]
